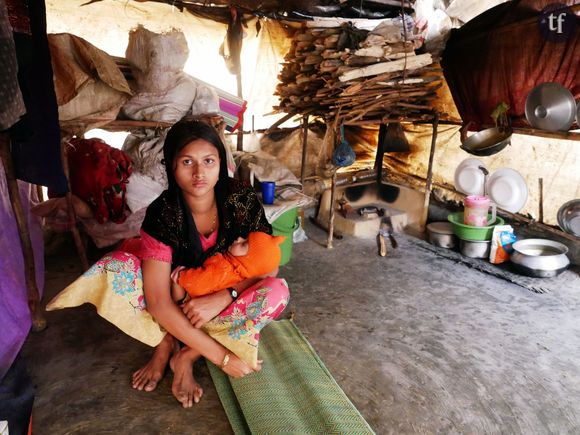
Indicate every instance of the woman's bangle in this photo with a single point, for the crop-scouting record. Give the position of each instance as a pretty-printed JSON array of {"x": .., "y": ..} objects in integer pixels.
[{"x": 226, "y": 360}]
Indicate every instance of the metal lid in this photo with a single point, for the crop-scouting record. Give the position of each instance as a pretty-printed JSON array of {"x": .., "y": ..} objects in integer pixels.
[{"x": 550, "y": 106}]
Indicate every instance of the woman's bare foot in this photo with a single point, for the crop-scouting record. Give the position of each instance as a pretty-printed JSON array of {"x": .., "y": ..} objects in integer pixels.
[
  {"x": 185, "y": 389},
  {"x": 147, "y": 377}
]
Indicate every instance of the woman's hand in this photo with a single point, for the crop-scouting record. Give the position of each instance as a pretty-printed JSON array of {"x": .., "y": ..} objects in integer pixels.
[
  {"x": 236, "y": 368},
  {"x": 204, "y": 308}
]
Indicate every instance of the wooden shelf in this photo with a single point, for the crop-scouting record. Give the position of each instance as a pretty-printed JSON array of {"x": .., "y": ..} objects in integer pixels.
[{"x": 115, "y": 125}]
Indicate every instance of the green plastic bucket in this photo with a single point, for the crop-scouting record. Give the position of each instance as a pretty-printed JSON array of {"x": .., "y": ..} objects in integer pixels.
[{"x": 285, "y": 225}]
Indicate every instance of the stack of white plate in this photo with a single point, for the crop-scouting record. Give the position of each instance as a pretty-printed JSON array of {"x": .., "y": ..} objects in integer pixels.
[{"x": 506, "y": 187}]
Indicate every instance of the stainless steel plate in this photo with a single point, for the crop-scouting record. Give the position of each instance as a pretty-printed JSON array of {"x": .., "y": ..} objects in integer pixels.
[
  {"x": 569, "y": 217},
  {"x": 550, "y": 106}
]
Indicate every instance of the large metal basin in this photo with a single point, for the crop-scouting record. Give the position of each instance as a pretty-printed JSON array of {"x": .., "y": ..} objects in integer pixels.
[{"x": 540, "y": 258}]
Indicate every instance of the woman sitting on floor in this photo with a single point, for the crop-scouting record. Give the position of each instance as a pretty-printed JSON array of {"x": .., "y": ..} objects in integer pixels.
[{"x": 202, "y": 213}]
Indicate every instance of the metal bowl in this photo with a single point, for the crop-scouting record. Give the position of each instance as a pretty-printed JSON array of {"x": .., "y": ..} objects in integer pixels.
[
  {"x": 540, "y": 258},
  {"x": 487, "y": 142},
  {"x": 474, "y": 249},
  {"x": 569, "y": 217},
  {"x": 441, "y": 234}
]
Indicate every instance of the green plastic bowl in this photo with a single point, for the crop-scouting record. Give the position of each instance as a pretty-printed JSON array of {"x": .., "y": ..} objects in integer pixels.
[{"x": 469, "y": 232}]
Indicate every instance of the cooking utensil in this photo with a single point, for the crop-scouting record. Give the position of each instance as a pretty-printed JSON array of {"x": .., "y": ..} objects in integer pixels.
[
  {"x": 486, "y": 142},
  {"x": 540, "y": 258},
  {"x": 507, "y": 188},
  {"x": 386, "y": 231},
  {"x": 569, "y": 217},
  {"x": 469, "y": 177},
  {"x": 441, "y": 234},
  {"x": 550, "y": 106},
  {"x": 471, "y": 233},
  {"x": 475, "y": 249}
]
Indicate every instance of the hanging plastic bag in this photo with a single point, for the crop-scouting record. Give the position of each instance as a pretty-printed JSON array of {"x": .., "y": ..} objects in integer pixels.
[{"x": 343, "y": 155}]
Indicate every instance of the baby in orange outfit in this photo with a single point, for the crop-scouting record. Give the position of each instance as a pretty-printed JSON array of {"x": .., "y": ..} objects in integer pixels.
[{"x": 257, "y": 255}]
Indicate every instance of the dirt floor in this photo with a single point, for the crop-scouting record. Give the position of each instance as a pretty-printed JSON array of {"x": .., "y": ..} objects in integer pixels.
[{"x": 419, "y": 343}]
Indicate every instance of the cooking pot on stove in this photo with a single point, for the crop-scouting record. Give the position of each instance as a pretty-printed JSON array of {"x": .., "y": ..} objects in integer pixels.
[{"x": 485, "y": 142}]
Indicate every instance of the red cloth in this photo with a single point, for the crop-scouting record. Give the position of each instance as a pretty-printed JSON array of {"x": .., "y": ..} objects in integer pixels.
[
  {"x": 98, "y": 175},
  {"x": 501, "y": 55}
]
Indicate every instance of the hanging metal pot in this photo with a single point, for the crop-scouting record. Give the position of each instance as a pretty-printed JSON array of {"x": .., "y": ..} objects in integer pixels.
[{"x": 485, "y": 142}]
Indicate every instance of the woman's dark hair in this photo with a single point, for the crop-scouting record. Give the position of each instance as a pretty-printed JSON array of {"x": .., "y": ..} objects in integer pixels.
[{"x": 183, "y": 133}]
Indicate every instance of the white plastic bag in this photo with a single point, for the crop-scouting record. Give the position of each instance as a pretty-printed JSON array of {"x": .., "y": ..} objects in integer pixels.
[{"x": 501, "y": 243}]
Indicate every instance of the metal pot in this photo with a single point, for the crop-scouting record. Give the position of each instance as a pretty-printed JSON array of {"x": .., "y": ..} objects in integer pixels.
[
  {"x": 540, "y": 258},
  {"x": 473, "y": 249},
  {"x": 485, "y": 142},
  {"x": 441, "y": 234}
]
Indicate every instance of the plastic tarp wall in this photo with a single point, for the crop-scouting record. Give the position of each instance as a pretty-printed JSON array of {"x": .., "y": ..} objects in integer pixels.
[{"x": 106, "y": 24}]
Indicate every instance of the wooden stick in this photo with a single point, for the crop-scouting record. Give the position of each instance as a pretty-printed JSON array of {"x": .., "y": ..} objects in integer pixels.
[
  {"x": 36, "y": 312},
  {"x": 304, "y": 147},
  {"x": 541, "y": 190},
  {"x": 331, "y": 210},
  {"x": 279, "y": 122},
  {"x": 429, "y": 180},
  {"x": 39, "y": 193},
  {"x": 240, "y": 144},
  {"x": 414, "y": 62},
  {"x": 72, "y": 217}
]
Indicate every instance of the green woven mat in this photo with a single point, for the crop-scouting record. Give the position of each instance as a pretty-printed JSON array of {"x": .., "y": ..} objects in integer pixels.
[{"x": 294, "y": 393}]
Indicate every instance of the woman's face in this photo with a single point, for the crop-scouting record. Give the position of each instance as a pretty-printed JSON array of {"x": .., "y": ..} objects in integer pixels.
[{"x": 196, "y": 168}]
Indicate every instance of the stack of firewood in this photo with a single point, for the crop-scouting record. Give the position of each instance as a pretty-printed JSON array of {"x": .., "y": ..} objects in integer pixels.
[{"x": 381, "y": 78}]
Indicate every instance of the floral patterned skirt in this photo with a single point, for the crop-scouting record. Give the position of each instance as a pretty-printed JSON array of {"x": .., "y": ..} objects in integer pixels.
[{"x": 114, "y": 285}]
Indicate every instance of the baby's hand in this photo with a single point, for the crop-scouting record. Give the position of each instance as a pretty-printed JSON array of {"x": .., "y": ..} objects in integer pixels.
[{"x": 175, "y": 274}]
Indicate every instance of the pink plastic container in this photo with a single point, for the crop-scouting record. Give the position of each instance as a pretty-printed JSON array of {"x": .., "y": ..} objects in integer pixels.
[{"x": 476, "y": 211}]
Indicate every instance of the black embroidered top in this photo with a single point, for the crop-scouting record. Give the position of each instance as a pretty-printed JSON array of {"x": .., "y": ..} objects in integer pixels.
[{"x": 169, "y": 220}]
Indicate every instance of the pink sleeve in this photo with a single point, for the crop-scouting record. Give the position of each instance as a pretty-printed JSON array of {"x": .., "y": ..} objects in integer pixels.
[{"x": 153, "y": 249}]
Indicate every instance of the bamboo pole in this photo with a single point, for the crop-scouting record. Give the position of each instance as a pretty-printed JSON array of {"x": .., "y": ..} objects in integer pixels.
[
  {"x": 72, "y": 218},
  {"x": 240, "y": 144},
  {"x": 331, "y": 210},
  {"x": 541, "y": 203},
  {"x": 304, "y": 147},
  {"x": 429, "y": 180},
  {"x": 36, "y": 311}
]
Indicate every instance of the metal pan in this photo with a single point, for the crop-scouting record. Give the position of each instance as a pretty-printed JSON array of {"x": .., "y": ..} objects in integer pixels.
[{"x": 486, "y": 142}]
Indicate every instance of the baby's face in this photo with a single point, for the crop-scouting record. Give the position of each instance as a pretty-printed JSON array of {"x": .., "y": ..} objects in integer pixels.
[{"x": 239, "y": 247}]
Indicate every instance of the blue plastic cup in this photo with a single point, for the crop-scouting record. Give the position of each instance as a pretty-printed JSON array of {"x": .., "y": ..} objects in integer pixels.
[{"x": 268, "y": 189}]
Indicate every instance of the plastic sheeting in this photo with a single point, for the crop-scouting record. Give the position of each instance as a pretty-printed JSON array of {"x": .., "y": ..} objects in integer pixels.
[{"x": 15, "y": 318}]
